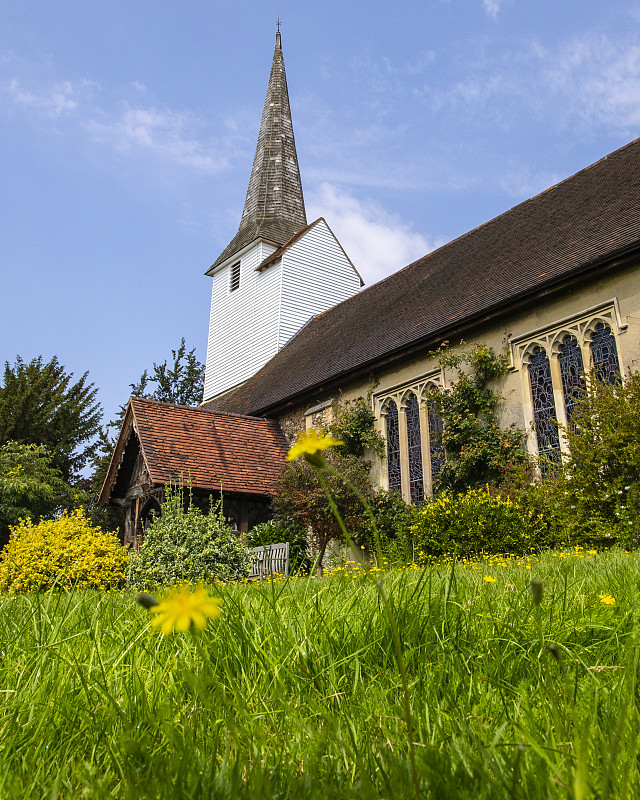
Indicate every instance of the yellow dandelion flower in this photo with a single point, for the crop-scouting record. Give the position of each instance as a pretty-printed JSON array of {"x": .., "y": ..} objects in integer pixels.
[
  {"x": 185, "y": 608},
  {"x": 607, "y": 599},
  {"x": 309, "y": 444},
  {"x": 489, "y": 579}
]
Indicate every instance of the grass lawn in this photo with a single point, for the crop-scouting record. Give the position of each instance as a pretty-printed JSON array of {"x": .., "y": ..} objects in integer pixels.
[{"x": 295, "y": 691}]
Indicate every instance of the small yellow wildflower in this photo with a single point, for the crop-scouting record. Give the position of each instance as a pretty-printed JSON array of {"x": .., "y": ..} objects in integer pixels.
[
  {"x": 607, "y": 599},
  {"x": 185, "y": 608},
  {"x": 309, "y": 444},
  {"x": 489, "y": 579}
]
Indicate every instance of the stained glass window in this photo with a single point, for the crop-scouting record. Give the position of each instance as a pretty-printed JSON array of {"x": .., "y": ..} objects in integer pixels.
[
  {"x": 544, "y": 410},
  {"x": 393, "y": 448},
  {"x": 436, "y": 448},
  {"x": 605, "y": 355},
  {"x": 416, "y": 482},
  {"x": 572, "y": 372}
]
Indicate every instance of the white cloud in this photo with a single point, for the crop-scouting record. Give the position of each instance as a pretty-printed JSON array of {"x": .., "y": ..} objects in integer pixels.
[
  {"x": 377, "y": 242},
  {"x": 168, "y": 134},
  {"x": 492, "y": 7},
  {"x": 53, "y": 102},
  {"x": 86, "y": 108},
  {"x": 598, "y": 78}
]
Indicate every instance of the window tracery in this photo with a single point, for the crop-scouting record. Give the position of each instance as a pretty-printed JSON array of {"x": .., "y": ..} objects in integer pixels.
[
  {"x": 572, "y": 346},
  {"x": 416, "y": 475},
  {"x": 393, "y": 447},
  {"x": 436, "y": 448},
  {"x": 414, "y": 436},
  {"x": 544, "y": 409},
  {"x": 605, "y": 355},
  {"x": 572, "y": 374}
]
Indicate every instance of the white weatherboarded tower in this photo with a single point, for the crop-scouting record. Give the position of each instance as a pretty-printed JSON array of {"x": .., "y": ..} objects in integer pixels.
[{"x": 278, "y": 271}]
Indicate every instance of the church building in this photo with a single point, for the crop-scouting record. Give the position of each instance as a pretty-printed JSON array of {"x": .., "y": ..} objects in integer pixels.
[{"x": 555, "y": 281}]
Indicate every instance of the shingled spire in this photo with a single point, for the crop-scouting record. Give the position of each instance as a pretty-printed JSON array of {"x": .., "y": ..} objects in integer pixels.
[{"x": 274, "y": 207}]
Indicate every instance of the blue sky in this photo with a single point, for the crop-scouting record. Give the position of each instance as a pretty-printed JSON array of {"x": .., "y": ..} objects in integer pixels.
[{"x": 128, "y": 134}]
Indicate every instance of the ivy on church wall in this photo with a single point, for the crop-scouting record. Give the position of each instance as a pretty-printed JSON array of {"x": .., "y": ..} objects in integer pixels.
[{"x": 477, "y": 450}]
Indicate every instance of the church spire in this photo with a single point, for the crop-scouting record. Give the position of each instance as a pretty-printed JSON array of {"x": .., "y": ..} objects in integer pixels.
[{"x": 274, "y": 206}]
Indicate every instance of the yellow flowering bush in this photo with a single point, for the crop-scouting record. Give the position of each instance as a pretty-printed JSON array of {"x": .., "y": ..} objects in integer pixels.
[
  {"x": 66, "y": 551},
  {"x": 472, "y": 523}
]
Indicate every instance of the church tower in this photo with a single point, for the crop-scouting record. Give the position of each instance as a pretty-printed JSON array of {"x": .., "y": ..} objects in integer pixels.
[{"x": 278, "y": 271}]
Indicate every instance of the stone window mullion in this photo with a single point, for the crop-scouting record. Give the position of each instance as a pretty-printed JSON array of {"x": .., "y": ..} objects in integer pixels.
[
  {"x": 426, "y": 450},
  {"x": 558, "y": 400}
]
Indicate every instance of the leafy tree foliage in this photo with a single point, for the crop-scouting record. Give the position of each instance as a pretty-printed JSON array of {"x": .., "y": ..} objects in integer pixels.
[
  {"x": 477, "y": 450},
  {"x": 30, "y": 487},
  {"x": 593, "y": 496},
  {"x": 354, "y": 424},
  {"x": 39, "y": 404},
  {"x": 300, "y": 496},
  {"x": 181, "y": 382}
]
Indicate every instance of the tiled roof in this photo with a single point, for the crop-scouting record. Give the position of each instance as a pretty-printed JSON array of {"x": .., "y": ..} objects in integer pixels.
[
  {"x": 206, "y": 449},
  {"x": 578, "y": 225},
  {"x": 274, "y": 206}
]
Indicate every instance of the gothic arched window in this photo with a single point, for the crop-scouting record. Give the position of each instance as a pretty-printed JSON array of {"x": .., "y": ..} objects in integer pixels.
[
  {"x": 393, "y": 448},
  {"x": 436, "y": 448},
  {"x": 605, "y": 355},
  {"x": 572, "y": 373},
  {"x": 416, "y": 479},
  {"x": 544, "y": 409}
]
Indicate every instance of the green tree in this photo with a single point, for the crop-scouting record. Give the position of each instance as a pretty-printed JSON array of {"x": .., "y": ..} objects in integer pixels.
[
  {"x": 181, "y": 382},
  {"x": 593, "y": 496},
  {"x": 39, "y": 404},
  {"x": 477, "y": 450},
  {"x": 30, "y": 486},
  {"x": 300, "y": 496}
]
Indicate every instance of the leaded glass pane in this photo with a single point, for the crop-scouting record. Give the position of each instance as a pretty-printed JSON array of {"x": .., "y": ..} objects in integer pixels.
[
  {"x": 605, "y": 355},
  {"x": 436, "y": 448},
  {"x": 393, "y": 448},
  {"x": 572, "y": 372},
  {"x": 416, "y": 482},
  {"x": 544, "y": 409}
]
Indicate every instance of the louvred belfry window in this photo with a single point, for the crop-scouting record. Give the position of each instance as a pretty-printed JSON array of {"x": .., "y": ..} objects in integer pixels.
[
  {"x": 544, "y": 410},
  {"x": 393, "y": 448},
  {"x": 572, "y": 373},
  {"x": 235, "y": 277},
  {"x": 605, "y": 355},
  {"x": 416, "y": 478}
]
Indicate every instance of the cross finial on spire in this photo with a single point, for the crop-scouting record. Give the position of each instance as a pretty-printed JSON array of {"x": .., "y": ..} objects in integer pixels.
[{"x": 278, "y": 23}]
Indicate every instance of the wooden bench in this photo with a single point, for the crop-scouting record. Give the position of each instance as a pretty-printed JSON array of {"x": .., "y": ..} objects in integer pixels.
[{"x": 270, "y": 560}]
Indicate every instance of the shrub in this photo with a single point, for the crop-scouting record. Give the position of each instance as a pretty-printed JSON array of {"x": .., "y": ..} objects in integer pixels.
[
  {"x": 472, "y": 523},
  {"x": 300, "y": 496},
  {"x": 393, "y": 518},
  {"x": 66, "y": 551},
  {"x": 188, "y": 546},
  {"x": 593, "y": 496},
  {"x": 283, "y": 530}
]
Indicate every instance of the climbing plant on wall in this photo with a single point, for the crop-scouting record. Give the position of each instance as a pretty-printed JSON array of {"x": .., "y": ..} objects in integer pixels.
[{"x": 477, "y": 450}]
